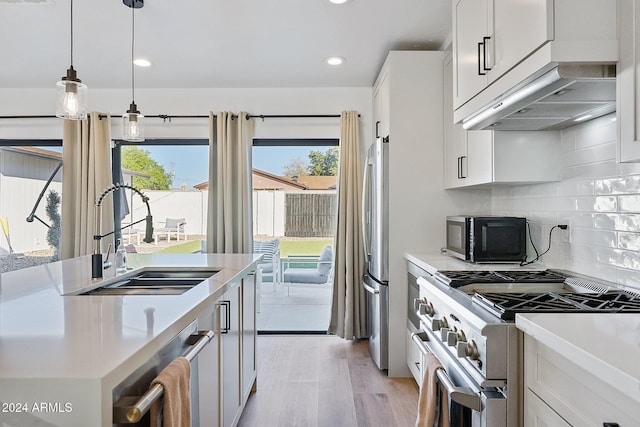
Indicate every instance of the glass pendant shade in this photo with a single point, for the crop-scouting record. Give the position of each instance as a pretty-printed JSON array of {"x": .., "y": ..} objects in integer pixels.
[
  {"x": 133, "y": 124},
  {"x": 71, "y": 97}
]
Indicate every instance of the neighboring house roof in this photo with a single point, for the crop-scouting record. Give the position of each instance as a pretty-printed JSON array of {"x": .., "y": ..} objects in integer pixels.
[
  {"x": 266, "y": 181},
  {"x": 56, "y": 155},
  {"x": 313, "y": 182}
]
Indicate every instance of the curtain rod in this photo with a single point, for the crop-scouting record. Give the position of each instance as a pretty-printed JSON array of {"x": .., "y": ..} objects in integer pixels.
[{"x": 175, "y": 116}]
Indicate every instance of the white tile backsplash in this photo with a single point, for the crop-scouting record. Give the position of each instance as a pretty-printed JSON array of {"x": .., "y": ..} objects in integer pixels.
[{"x": 598, "y": 198}]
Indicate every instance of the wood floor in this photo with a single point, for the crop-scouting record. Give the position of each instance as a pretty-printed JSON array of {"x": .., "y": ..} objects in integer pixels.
[{"x": 325, "y": 381}]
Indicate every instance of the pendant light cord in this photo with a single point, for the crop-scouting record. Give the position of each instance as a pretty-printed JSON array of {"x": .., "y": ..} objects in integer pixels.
[
  {"x": 133, "y": 37},
  {"x": 71, "y": 26}
]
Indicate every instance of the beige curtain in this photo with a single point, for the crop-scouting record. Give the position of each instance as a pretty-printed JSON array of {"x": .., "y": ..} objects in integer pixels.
[
  {"x": 86, "y": 156},
  {"x": 229, "y": 218},
  {"x": 348, "y": 310}
]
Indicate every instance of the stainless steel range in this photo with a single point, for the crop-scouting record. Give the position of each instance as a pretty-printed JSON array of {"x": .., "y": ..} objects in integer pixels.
[{"x": 467, "y": 318}]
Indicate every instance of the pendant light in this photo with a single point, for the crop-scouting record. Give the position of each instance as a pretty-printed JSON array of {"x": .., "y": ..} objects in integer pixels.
[
  {"x": 71, "y": 93},
  {"x": 132, "y": 120}
]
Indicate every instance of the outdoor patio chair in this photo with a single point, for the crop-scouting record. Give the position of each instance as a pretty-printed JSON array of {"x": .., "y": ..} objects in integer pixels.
[
  {"x": 171, "y": 225},
  {"x": 296, "y": 269},
  {"x": 270, "y": 264}
]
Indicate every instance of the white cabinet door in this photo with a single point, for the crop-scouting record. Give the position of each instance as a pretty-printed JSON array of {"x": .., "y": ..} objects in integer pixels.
[
  {"x": 628, "y": 90},
  {"x": 455, "y": 137},
  {"x": 520, "y": 27},
  {"x": 470, "y": 29},
  {"x": 231, "y": 363},
  {"x": 477, "y": 165},
  {"x": 210, "y": 371},
  {"x": 248, "y": 335}
]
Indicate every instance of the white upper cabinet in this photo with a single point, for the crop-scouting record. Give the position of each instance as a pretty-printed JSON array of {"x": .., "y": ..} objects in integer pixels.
[
  {"x": 497, "y": 44},
  {"x": 492, "y": 36},
  {"x": 628, "y": 90}
]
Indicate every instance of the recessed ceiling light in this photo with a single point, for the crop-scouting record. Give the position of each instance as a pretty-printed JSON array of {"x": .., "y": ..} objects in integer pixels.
[
  {"x": 339, "y": 1},
  {"x": 335, "y": 60},
  {"x": 142, "y": 62}
]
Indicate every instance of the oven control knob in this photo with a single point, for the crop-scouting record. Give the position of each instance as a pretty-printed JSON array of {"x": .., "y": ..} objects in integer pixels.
[
  {"x": 452, "y": 338},
  {"x": 468, "y": 349},
  {"x": 444, "y": 332},
  {"x": 417, "y": 302},
  {"x": 426, "y": 308},
  {"x": 455, "y": 335},
  {"x": 437, "y": 324}
]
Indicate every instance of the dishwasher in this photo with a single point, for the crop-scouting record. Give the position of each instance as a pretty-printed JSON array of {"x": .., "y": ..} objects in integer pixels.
[{"x": 133, "y": 397}]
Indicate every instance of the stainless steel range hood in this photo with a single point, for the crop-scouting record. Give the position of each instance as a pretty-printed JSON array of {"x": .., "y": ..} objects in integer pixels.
[{"x": 557, "y": 99}]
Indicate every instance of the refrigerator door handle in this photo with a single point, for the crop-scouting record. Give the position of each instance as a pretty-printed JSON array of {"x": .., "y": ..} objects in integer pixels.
[
  {"x": 365, "y": 212},
  {"x": 370, "y": 289}
]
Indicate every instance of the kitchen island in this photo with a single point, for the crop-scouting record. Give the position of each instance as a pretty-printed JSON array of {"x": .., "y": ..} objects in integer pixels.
[{"x": 62, "y": 353}]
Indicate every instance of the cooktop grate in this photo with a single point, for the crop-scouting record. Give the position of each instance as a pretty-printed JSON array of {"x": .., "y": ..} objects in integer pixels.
[
  {"x": 506, "y": 305},
  {"x": 456, "y": 279}
]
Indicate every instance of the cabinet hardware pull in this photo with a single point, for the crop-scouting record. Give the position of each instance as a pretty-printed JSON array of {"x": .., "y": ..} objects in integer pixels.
[
  {"x": 377, "y": 124},
  {"x": 459, "y": 167},
  {"x": 462, "y": 175},
  {"x": 227, "y": 316},
  {"x": 126, "y": 413},
  {"x": 480, "y": 66},
  {"x": 484, "y": 54}
]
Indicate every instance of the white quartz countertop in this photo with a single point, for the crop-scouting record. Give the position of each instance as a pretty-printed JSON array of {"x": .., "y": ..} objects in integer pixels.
[
  {"x": 443, "y": 262},
  {"x": 607, "y": 344},
  {"x": 46, "y": 332}
]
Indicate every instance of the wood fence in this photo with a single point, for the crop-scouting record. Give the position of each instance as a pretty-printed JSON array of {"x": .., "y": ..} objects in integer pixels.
[{"x": 310, "y": 215}]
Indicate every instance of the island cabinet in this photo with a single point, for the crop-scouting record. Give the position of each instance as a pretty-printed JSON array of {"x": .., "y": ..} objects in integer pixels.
[
  {"x": 481, "y": 157},
  {"x": 227, "y": 369},
  {"x": 628, "y": 88},
  {"x": 580, "y": 370}
]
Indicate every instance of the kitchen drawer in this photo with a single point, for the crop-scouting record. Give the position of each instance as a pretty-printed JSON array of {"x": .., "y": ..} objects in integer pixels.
[
  {"x": 576, "y": 395},
  {"x": 414, "y": 357}
]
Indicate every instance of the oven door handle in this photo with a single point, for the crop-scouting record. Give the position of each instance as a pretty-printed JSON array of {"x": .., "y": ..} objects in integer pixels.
[{"x": 461, "y": 395}]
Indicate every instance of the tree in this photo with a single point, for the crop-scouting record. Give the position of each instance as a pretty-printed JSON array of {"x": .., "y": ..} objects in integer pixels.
[
  {"x": 296, "y": 166},
  {"x": 140, "y": 160},
  {"x": 53, "y": 234},
  {"x": 324, "y": 164}
]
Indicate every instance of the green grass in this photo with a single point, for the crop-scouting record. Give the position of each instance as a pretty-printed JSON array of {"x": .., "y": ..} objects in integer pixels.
[
  {"x": 287, "y": 247},
  {"x": 183, "y": 248},
  {"x": 303, "y": 247}
]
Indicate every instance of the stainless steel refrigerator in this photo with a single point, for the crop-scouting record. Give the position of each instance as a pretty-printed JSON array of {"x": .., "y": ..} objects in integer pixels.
[{"x": 375, "y": 213}]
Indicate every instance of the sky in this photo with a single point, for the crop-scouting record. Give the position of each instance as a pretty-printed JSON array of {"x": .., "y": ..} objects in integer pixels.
[{"x": 190, "y": 163}]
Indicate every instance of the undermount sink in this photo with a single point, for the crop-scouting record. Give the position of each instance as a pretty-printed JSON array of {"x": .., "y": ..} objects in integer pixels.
[{"x": 155, "y": 282}]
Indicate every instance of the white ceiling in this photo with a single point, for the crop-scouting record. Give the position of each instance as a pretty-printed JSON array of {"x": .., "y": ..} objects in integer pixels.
[{"x": 213, "y": 43}]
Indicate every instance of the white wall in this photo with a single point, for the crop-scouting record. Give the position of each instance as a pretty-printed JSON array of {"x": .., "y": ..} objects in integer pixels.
[
  {"x": 599, "y": 200},
  {"x": 269, "y": 215}
]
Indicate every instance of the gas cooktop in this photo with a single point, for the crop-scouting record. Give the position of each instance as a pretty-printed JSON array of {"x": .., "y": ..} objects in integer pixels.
[{"x": 456, "y": 279}]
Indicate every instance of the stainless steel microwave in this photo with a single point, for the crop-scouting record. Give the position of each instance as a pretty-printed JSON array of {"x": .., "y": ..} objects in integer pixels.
[{"x": 487, "y": 239}]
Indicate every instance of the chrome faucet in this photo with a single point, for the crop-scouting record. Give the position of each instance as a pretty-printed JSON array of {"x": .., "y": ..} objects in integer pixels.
[{"x": 96, "y": 258}]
